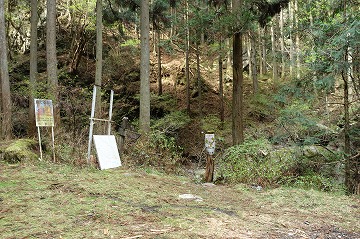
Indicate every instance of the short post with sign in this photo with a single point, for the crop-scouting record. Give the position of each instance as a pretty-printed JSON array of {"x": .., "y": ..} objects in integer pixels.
[
  {"x": 210, "y": 149},
  {"x": 44, "y": 116}
]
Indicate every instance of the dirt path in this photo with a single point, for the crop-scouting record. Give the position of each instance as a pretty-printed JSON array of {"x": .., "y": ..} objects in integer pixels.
[{"x": 58, "y": 201}]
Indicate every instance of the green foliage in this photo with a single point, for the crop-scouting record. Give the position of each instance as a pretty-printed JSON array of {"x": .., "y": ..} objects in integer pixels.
[
  {"x": 246, "y": 163},
  {"x": 210, "y": 123},
  {"x": 166, "y": 102},
  {"x": 297, "y": 124},
  {"x": 160, "y": 148},
  {"x": 256, "y": 162},
  {"x": 261, "y": 107},
  {"x": 157, "y": 150},
  {"x": 171, "y": 122},
  {"x": 131, "y": 42}
]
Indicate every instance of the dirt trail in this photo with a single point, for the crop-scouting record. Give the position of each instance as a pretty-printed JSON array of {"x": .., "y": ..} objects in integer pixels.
[{"x": 59, "y": 201}]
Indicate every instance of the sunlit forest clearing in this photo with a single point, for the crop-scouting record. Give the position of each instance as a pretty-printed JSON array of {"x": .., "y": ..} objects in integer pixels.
[{"x": 231, "y": 119}]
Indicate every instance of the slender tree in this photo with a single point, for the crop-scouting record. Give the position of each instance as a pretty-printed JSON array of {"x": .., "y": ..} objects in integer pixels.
[
  {"x": 144, "y": 67},
  {"x": 282, "y": 44},
  {"x": 99, "y": 57},
  {"x": 274, "y": 51},
  {"x": 237, "y": 93},
  {"x": 51, "y": 57},
  {"x": 4, "y": 77},
  {"x": 187, "y": 58},
  {"x": 33, "y": 67},
  {"x": 252, "y": 62}
]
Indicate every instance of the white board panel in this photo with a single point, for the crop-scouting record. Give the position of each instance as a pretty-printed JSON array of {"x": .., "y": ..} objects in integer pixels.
[{"x": 107, "y": 151}]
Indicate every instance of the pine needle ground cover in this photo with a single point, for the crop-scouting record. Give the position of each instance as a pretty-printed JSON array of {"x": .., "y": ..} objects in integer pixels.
[{"x": 45, "y": 200}]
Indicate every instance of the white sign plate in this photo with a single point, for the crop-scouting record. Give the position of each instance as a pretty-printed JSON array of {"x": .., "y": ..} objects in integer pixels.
[
  {"x": 107, "y": 151},
  {"x": 210, "y": 143}
]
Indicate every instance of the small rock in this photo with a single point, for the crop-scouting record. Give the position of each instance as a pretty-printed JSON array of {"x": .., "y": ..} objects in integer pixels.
[
  {"x": 208, "y": 185},
  {"x": 190, "y": 197}
]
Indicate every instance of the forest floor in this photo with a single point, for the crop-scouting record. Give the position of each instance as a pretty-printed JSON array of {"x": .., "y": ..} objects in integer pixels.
[{"x": 46, "y": 200}]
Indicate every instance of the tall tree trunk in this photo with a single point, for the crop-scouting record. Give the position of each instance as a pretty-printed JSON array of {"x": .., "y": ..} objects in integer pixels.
[
  {"x": 229, "y": 70},
  {"x": 221, "y": 84},
  {"x": 99, "y": 58},
  {"x": 144, "y": 119},
  {"x": 352, "y": 177},
  {"x": 297, "y": 38},
  {"x": 33, "y": 68},
  {"x": 262, "y": 50},
  {"x": 237, "y": 94},
  {"x": 274, "y": 52},
  {"x": 160, "y": 90},
  {"x": 252, "y": 62},
  {"x": 198, "y": 76},
  {"x": 282, "y": 44},
  {"x": 4, "y": 77},
  {"x": 51, "y": 57},
  {"x": 347, "y": 150},
  {"x": 291, "y": 43},
  {"x": 187, "y": 63}
]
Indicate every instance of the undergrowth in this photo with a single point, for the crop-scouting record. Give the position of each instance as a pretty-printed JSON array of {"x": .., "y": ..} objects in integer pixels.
[{"x": 257, "y": 162}]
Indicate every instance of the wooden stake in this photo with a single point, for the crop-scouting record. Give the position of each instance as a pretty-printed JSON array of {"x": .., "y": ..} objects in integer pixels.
[{"x": 209, "y": 171}]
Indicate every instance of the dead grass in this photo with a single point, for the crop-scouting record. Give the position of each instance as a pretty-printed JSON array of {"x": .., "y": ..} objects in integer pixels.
[{"x": 45, "y": 200}]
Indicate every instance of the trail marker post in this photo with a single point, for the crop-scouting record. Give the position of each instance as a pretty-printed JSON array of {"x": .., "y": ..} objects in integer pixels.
[{"x": 210, "y": 149}]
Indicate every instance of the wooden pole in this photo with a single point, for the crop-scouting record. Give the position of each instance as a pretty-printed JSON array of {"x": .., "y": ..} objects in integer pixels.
[{"x": 209, "y": 171}]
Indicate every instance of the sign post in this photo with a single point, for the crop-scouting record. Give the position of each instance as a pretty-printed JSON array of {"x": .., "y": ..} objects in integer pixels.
[
  {"x": 210, "y": 148},
  {"x": 44, "y": 115}
]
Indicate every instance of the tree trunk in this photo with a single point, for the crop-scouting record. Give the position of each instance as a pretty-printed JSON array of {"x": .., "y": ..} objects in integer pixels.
[
  {"x": 144, "y": 120},
  {"x": 282, "y": 44},
  {"x": 160, "y": 90},
  {"x": 33, "y": 68},
  {"x": 347, "y": 150},
  {"x": 229, "y": 70},
  {"x": 237, "y": 94},
  {"x": 273, "y": 52},
  {"x": 4, "y": 77},
  {"x": 187, "y": 67},
  {"x": 198, "y": 73},
  {"x": 252, "y": 62},
  {"x": 99, "y": 59},
  {"x": 221, "y": 84},
  {"x": 291, "y": 43},
  {"x": 51, "y": 57},
  {"x": 262, "y": 50},
  {"x": 297, "y": 38}
]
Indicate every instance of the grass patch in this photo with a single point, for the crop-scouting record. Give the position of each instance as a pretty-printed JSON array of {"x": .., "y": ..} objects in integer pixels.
[{"x": 46, "y": 200}]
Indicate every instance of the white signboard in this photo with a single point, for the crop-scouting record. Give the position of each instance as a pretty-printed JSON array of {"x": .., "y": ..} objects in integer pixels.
[
  {"x": 44, "y": 112},
  {"x": 210, "y": 143},
  {"x": 107, "y": 151}
]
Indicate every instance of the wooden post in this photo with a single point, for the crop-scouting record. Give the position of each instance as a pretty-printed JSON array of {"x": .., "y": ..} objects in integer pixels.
[
  {"x": 124, "y": 125},
  {"x": 209, "y": 171},
  {"x": 210, "y": 148}
]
